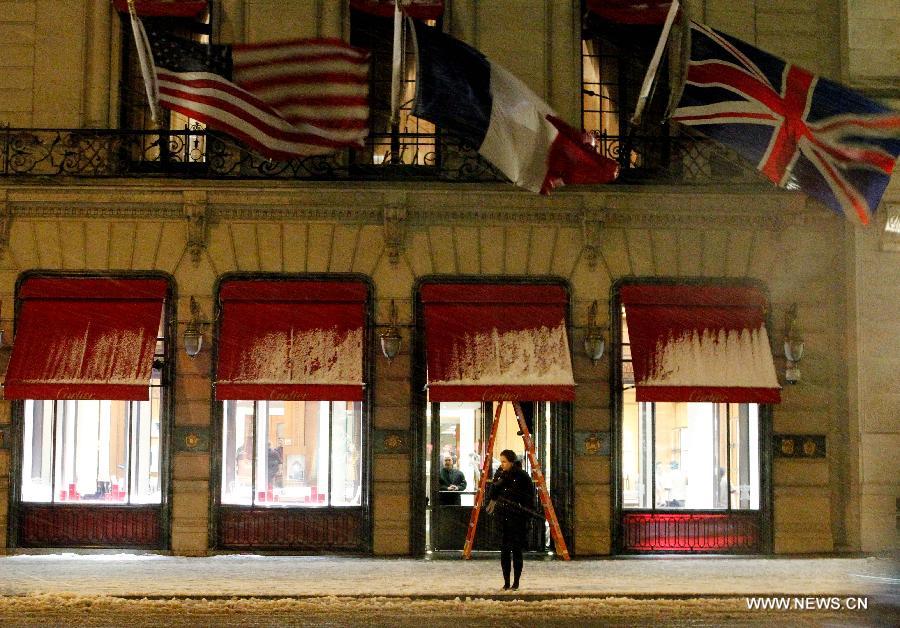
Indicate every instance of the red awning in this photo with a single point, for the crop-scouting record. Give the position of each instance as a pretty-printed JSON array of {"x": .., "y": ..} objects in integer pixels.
[
  {"x": 291, "y": 340},
  {"x": 85, "y": 338},
  {"x": 700, "y": 343},
  {"x": 497, "y": 342},
  {"x": 163, "y": 8}
]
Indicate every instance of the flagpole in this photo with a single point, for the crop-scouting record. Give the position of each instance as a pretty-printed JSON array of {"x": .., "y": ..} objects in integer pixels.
[
  {"x": 396, "y": 64},
  {"x": 652, "y": 69},
  {"x": 145, "y": 58}
]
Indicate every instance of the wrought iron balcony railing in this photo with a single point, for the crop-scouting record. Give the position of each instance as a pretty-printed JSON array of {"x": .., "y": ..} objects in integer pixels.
[{"x": 386, "y": 157}]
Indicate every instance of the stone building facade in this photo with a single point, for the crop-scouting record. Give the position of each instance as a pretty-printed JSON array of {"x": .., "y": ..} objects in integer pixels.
[{"x": 60, "y": 65}]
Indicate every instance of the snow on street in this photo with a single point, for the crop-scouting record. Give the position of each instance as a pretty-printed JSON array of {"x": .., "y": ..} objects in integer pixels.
[
  {"x": 253, "y": 575},
  {"x": 111, "y": 589}
]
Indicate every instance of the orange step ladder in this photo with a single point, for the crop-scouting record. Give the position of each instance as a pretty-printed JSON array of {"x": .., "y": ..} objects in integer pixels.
[{"x": 549, "y": 513}]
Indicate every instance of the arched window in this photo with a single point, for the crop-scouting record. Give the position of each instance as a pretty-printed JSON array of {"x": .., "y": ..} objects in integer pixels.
[
  {"x": 89, "y": 366},
  {"x": 695, "y": 378},
  {"x": 290, "y": 386}
]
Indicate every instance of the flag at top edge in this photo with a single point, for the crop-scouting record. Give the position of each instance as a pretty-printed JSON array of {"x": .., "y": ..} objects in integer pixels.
[
  {"x": 284, "y": 99},
  {"x": 460, "y": 90},
  {"x": 802, "y": 131}
]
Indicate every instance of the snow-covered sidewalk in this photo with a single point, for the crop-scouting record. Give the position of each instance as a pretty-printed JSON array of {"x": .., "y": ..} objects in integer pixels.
[{"x": 136, "y": 575}]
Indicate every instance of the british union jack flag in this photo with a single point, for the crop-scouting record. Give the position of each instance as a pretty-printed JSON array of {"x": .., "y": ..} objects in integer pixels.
[{"x": 801, "y": 130}]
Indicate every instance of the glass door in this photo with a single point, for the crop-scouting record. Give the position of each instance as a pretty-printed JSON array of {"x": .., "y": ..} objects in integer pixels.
[{"x": 456, "y": 438}]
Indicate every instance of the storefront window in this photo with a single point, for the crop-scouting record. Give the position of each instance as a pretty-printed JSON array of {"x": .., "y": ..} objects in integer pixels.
[
  {"x": 292, "y": 453},
  {"x": 687, "y": 456},
  {"x": 92, "y": 451}
]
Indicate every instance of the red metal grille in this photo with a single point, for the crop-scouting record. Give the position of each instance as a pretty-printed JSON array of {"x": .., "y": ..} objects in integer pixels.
[
  {"x": 305, "y": 530},
  {"x": 90, "y": 526},
  {"x": 691, "y": 532}
]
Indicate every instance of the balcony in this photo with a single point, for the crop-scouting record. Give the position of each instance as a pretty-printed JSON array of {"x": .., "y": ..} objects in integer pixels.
[{"x": 201, "y": 154}]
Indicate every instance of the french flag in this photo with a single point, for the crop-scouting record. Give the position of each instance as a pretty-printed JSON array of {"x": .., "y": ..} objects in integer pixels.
[{"x": 459, "y": 90}]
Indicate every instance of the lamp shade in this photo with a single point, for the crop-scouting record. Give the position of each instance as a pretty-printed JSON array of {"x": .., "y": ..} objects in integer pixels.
[
  {"x": 594, "y": 346},
  {"x": 193, "y": 340},
  {"x": 793, "y": 350},
  {"x": 390, "y": 343}
]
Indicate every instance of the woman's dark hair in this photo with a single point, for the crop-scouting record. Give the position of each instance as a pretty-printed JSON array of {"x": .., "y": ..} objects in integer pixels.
[{"x": 509, "y": 454}]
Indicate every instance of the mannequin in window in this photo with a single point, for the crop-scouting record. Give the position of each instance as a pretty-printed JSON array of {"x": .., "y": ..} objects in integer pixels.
[
  {"x": 273, "y": 462},
  {"x": 721, "y": 489},
  {"x": 451, "y": 481}
]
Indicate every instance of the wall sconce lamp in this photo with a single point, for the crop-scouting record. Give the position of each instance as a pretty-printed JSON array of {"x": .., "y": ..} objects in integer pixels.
[
  {"x": 193, "y": 333},
  {"x": 793, "y": 346},
  {"x": 390, "y": 338},
  {"x": 594, "y": 345}
]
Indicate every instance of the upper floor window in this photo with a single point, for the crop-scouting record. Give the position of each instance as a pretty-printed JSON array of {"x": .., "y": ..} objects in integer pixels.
[
  {"x": 410, "y": 140},
  {"x": 185, "y": 141},
  {"x": 615, "y": 52}
]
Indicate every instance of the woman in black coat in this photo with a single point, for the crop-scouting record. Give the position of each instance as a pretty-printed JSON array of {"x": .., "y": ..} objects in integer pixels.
[{"x": 513, "y": 495}]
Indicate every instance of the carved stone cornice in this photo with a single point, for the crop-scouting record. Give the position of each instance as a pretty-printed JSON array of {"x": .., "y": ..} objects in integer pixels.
[
  {"x": 342, "y": 214},
  {"x": 106, "y": 201},
  {"x": 400, "y": 207},
  {"x": 657, "y": 220},
  {"x": 29, "y": 210},
  {"x": 421, "y": 216},
  {"x": 196, "y": 211}
]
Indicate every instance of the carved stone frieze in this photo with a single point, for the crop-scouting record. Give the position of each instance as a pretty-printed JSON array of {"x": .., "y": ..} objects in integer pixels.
[
  {"x": 341, "y": 214},
  {"x": 768, "y": 221},
  {"x": 402, "y": 207},
  {"x": 420, "y": 216},
  {"x": 196, "y": 211},
  {"x": 35, "y": 210}
]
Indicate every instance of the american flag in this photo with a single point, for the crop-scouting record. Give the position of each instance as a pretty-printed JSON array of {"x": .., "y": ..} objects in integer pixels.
[
  {"x": 801, "y": 130},
  {"x": 283, "y": 99}
]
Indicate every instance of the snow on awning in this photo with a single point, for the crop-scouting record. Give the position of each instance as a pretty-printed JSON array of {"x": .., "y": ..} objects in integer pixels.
[
  {"x": 489, "y": 342},
  {"x": 291, "y": 340},
  {"x": 700, "y": 343},
  {"x": 85, "y": 338}
]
